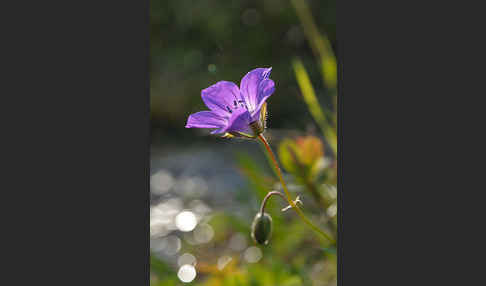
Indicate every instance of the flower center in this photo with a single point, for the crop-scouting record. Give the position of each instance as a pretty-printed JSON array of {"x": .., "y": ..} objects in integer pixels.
[{"x": 235, "y": 105}]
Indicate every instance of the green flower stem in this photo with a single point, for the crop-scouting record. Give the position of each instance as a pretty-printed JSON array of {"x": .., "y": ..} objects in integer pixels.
[
  {"x": 313, "y": 189},
  {"x": 306, "y": 180},
  {"x": 287, "y": 194},
  {"x": 264, "y": 202}
]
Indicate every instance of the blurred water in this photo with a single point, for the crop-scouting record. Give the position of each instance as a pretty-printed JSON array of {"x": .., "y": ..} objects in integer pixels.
[
  {"x": 206, "y": 173},
  {"x": 187, "y": 184}
]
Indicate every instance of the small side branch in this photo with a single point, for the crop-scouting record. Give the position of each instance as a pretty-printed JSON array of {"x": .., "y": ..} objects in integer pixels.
[{"x": 264, "y": 202}]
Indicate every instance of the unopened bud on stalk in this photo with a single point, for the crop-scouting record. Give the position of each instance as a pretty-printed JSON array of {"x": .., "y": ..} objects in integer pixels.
[{"x": 261, "y": 229}]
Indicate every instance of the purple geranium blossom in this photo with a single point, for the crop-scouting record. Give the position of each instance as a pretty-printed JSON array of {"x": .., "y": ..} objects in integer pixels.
[{"x": 236, "y": 111}]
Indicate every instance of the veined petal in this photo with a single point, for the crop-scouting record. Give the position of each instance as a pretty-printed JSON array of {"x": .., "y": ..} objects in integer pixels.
[
  {"x": 221, "y": 97},
  {"x": 239, "y": 121},
  {"x": 205, "y": 119},
  {"x": 249, "y": 86},
  {"x": 265, "y": 89}
]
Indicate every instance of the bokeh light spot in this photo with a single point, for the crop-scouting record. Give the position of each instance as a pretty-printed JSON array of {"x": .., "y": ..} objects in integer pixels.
[
  {"x": 186, "y": 221},
  {"x": 203, "y": 233},
  {"x": 161, "y": 182},
  {"x": 237, "y": 242},
  {"x": 212, "y": 68},
  {"x": 186, "y": 273},
  {"x": 172, "y": 245},
  {"x": 223, "y": 261},
  {"x": 332, "y": 210},
  {"x": 186, "y": 258},
  {"x": 252, "y": 254}
]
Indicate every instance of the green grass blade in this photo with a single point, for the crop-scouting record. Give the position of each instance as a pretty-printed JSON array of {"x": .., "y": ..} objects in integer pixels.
[{"x": 315, "y": 109}]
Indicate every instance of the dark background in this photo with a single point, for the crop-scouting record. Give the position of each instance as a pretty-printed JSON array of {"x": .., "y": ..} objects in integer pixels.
[{"x": 194, "y": 44}]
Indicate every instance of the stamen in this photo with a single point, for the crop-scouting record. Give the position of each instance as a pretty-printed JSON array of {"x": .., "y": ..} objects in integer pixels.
[
  {"x": 229, "y": 109},
  {"x": 235, "y": 103},
  {"x": 242, "y": 103}
]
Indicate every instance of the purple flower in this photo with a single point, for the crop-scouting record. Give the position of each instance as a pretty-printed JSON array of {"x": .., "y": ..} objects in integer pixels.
[{"x": 236, "y": 111}]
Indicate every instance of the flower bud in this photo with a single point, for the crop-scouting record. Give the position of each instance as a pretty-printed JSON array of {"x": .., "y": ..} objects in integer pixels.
[
  {"x": 261, "y": 229},
  {"x": 303, "y": 156}
]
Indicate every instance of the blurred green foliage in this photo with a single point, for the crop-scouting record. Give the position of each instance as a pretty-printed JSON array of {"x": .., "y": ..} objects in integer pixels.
[
  {"x": 302, "y": 156},
  {"x": 194, "y": 44}
]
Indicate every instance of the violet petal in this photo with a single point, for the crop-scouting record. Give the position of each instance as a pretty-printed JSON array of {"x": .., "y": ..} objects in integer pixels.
[
  {"x": 205, "y": 119},
  {"x": 249, "y": 86},
  {"x": 221, "y": 97},
  {"x": 265, "y": 89},
  {"x": 239, "y": 121}
]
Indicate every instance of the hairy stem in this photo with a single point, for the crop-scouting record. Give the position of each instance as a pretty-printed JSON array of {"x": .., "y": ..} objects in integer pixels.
[
  {"x": 264, "y": 202},
  {"x": 312, "y": 188},
  {"x": 287, "y": 193}
]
